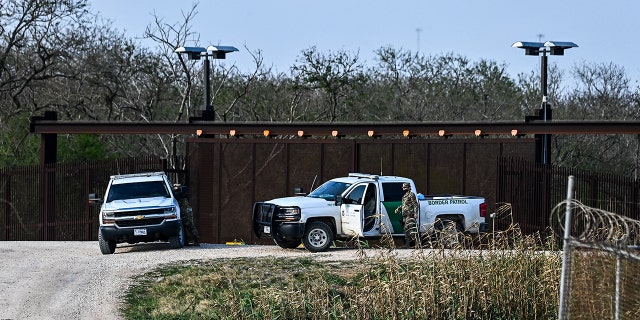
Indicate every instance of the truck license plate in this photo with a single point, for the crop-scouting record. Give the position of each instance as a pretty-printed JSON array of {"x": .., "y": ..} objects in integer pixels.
[
  {"x": 267, "y": 229},
  {"x": 139, "y": 232}
]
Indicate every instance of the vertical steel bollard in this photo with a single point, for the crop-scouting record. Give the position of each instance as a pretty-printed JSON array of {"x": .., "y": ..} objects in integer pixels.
[{"x": 565, "y": 275}]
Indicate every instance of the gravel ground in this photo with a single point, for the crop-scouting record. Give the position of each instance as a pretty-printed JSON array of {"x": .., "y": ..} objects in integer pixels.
[{"x": 73, "y": 280}]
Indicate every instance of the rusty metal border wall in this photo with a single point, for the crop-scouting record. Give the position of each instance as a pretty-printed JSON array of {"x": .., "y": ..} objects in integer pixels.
[
  {"x": 229, "y": 175},
  {"x": 50, "y": 202},
  {"x": 534, "y": 189}
]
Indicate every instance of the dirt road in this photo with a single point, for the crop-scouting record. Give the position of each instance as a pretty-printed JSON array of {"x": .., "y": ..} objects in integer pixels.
[{"x": 73, "y": 280}]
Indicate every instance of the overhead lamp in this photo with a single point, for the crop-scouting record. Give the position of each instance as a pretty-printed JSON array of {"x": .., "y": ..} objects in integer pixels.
[
  {"x": 199, "y": 132},
  {"x": 266, "y": 133},
  {"x": 372, "y": 134},
  {"x": 194, "y": 53},
  {"x": 444, "y": 134},
  {"x": 516, "y": 133},
  {"x": 556, "y": 48},
  {"x": 405, "y": 133},
  {"x": 479, "y": 133},
  {"x": 531, "y": 48},
  {"x": 220, "y": 52},
  {"x": 232, "y": 132}
]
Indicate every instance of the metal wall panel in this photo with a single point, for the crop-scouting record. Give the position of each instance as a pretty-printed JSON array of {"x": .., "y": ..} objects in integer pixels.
[
  {"x": 446, "y": 168},
  {"x": 338, "y": 160},
  {"x": 412, "y": 160},
  {"x": 305, "y": 163},
  {"x": 236, "y": 177}
]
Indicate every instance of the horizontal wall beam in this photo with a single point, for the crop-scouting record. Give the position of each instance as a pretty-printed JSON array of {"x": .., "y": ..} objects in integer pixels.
[{"x": 304, "y": 129}]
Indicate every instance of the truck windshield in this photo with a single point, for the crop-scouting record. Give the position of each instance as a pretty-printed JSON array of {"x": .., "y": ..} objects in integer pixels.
[
  {"x": 137, "y": 190},
  {"x": 329, "y": 190}
]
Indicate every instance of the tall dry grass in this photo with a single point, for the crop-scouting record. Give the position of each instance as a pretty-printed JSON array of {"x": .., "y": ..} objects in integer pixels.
[{"x": 513, "y": 278}]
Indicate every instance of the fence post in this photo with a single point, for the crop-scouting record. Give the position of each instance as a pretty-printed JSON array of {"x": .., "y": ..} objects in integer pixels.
[
  {"x": 565, "y": 275},
  {"x": 48, "y": 158},
  {"x": 6, "y": 206}
]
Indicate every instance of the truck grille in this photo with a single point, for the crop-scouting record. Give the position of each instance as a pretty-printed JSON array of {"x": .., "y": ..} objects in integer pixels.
[
  {"x": 133, "y": 213},
  {"x": 263, "y": 212},
  {"x": 138, "y": 223},
  {"x": 263, "y": 217}
]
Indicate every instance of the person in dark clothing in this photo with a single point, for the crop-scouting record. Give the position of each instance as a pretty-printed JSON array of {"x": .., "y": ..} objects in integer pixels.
[
  {"x": 409, "y": 210},
  {"x": 186, "y": 214}
]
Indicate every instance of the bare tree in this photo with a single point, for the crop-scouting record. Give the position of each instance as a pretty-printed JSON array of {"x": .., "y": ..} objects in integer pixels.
[
  {"x": 442, "y": 88},
  {"x": 34, "y": 38},
  {"x": 230, "y": 87},
  {"x": 332, "y": 78},
  {"x": 603, "y": 92}
]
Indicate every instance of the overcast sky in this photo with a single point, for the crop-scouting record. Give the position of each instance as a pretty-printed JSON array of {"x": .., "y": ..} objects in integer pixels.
[{"x": 605, "y": 31}]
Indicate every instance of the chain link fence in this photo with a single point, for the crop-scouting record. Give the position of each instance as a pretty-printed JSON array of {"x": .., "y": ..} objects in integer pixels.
[{"x": 601, "y": 261}]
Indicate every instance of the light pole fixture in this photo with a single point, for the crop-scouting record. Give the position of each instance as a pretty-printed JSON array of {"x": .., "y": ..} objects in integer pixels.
[
  {"x": 554, "y": 48},
  {"x": 215, "y": 52}
]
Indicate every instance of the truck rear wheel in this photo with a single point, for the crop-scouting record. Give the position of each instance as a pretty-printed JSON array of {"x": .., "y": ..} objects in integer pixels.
[
  {"x": 288, "y": 243},
  {"x": 106, "y": 246},
  {"x": 448, "y": 234},
  {"x": 317, "y": 236}
]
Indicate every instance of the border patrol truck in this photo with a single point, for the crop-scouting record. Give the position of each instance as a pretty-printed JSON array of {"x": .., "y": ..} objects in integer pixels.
[{"x": 360, "y": 205}]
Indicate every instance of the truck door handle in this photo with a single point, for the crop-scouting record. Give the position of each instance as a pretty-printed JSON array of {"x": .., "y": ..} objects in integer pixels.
[{"x": 356, "y": 210}]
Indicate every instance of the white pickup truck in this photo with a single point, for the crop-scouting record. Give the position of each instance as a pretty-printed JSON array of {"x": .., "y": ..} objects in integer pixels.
[
  {"x": 359, "y": 205},
  {"x": 138, "y": 207}
]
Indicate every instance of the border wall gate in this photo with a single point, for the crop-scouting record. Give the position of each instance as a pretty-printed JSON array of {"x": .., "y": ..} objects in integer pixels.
[{"x": 228, "y": 175}]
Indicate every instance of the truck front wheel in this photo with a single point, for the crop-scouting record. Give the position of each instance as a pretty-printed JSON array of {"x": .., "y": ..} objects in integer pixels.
[
  {"x": 106, "y": 246},
  {"x": 177, "y": 242},
  {"x": 317, "y": 236},
  {"x": 288, "y": 243}
]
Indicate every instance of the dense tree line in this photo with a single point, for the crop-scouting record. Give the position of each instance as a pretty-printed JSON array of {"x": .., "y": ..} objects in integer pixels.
[{"x": 58, "y": 55}]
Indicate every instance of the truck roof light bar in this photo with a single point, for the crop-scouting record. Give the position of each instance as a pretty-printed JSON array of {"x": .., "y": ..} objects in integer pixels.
[
  {"x": 143, "y": 174},
  {"x": 364, "y": 175}
]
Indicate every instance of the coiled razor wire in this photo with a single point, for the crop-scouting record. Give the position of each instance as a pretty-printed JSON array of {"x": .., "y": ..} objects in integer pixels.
[
  {"x": 596, "y": 227},
  {"x": 503, "y": 212},
  {"x": 593, "y": 228}
]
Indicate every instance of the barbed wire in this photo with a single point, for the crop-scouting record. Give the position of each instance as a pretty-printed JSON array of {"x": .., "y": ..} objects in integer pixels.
[
  {"x": 597, "y": 226},
  {"x": 503, "y": 212}
]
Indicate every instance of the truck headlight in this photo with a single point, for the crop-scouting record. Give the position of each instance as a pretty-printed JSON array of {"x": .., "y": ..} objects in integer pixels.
[
  {"x": 288, "y": 214},
  {"x": 108, "y": 217},
  {"x": 171, "y": 211}
]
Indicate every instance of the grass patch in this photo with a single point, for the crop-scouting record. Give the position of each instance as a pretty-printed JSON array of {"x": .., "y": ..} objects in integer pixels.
[{"x": 518, "y": 283}]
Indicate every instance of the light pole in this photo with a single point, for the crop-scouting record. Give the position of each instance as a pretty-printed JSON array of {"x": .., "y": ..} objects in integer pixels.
[
  {"x": 554, "y": 48},
  {"x": 215, "y": 52}
]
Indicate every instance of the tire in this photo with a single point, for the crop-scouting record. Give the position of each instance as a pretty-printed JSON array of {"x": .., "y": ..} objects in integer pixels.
[
  {"x": 106, "y": 246},
  {"x": 289, "y": 243},
  {"x": 177, "y": 242},
  {"x": 449, "y": 234},
  {"x": 318, "y": 236}
]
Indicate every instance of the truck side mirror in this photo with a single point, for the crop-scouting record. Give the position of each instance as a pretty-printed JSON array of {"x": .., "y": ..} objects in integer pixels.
[
  {"x": 94, "y": 200},
  {"x": 299, "y": 191},
  {"x": 339, "y": 200}
]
